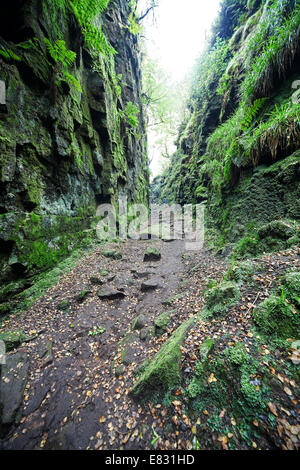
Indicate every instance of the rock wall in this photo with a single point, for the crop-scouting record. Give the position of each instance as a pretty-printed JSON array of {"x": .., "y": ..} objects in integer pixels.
[{"x": 64, "y": 147}]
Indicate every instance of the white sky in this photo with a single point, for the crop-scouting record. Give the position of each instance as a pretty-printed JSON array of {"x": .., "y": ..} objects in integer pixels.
[
  {"x": 176, "y": 39},
  {"x": 179, "y": 34}
]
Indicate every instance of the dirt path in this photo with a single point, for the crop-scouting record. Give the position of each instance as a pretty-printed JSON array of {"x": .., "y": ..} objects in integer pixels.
[
  {"x": 76, "y": 394},
  {"x": 69, "y": 386}
]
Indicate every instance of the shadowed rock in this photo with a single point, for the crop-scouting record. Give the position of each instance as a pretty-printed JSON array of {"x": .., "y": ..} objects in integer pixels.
[{"x": 110, "y": 294}]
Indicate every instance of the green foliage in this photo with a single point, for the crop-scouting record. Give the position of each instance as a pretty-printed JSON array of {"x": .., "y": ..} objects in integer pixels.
[
  {"x": 63, "y": 59},
  {"x": 86, "y": 13},
  {"x": 291, "y": 284},
  {"x": 274, "y": 43},
  {"x": 252, "y": 112},
  {"x": 131, "y": 112},
  {"x": 9, "y": 55},
  {"x": 276, "y": 316},
  {"x": 237, "y": 355},
  {"x": 209, "y": 68},
  {"x": 220, "y": 298},
  {"x": 97, "y": 330},
  {"x": 133, "y": 25}
]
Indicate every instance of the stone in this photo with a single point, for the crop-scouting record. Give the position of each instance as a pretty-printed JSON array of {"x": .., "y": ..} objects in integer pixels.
[
  {"x": 139, "y": 322},
  {"x": 12, "y": 339},
  {"x": 110, "y": 294},
  {"x": 161, "y": 323},
  {"x": 152, "y": 284},
  {"x": 96, "y": 281},
  {"x": 142, "y": 274},
  {"x": 13, "y": 381},
  {"x": 112, "y": 254},
  {"x": 152, "y": 254},
  {"x": 145, "y": 334},
  {"x": 64, "y": 305},
  {"x": 82, "y": 296}
]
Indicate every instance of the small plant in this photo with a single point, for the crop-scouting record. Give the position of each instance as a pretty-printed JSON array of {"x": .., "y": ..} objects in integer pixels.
[
  {"x": 97, "y": 330},
  {"x": 63, "y": 59},
  {"x": 156, "y": 437}
]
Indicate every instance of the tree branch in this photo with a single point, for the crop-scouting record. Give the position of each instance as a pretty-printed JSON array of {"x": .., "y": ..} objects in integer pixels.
[{"x": 145, "y": 14}]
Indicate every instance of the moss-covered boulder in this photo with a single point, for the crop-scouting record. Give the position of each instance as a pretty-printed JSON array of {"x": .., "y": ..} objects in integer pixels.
[
  {"x": 163, "y": 372},
  {"x": 161, "y": 323},
  {"x": 280, "y": 229},
  {"x": 276, "y": 316},
  {"x": 220, "y": 298},
  {"x": 292, "y": 286},
  {"x": 152, "y": 254},
  {"x": 12, "y": 339}
]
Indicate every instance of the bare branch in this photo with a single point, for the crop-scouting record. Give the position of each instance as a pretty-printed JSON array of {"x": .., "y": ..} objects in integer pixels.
[{"x": 148, "y": 11}]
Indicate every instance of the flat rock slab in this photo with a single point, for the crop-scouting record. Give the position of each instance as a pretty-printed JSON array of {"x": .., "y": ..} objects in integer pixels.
[
  {"x": 149, "y": 285},
  {"x": 142, "y": 274},
  {"x": 110, "y": 294},
  {"x": 13, "y": 380}
]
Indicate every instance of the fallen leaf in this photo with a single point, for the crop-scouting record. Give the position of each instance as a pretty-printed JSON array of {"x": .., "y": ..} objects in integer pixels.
[{"x": 273, "y": 408}]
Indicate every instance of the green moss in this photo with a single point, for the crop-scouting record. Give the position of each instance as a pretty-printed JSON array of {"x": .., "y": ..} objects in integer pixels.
[
  {"x": 291, "y": 285},
  {"x": 152, "y": 254},
  {"x": 13, "y": 338},
  {"x": 163, "y": 373},
  {"x": 220, "y": 298},
  {"x": 241, "y": 272},
  {"x": 275, "y": 316},
  {"x": 161, "y": 323},
  {"x": 237, "y": 355}
]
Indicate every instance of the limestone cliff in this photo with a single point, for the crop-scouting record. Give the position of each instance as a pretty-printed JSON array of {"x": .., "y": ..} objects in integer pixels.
[{"x": 70, "y": 140}]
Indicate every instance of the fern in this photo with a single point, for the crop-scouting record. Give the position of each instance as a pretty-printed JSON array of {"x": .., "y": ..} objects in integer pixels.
[
  {"x": 60, "y": 53},
  {"x": 252, "y": 113},
  {"x": 86, "y": 13},
  {"x": 63, "y": 58},
  {"x": 9, "y": 55}
]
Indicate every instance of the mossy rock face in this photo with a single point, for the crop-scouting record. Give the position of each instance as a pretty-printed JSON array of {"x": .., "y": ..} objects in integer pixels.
[
  {"x": 195, "y": 386},
  {"x": 112, "y": 254},
  {"x": 275, "y": 316},
  {"x": 292, "y": 286},
  {"x": 152, "y": 254},
  {"x": 277, "y": 229},
  {"x": 13, "y": 339},
  {"x": 163, "y": 372},
  {"x": 220, "y": 298}
]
